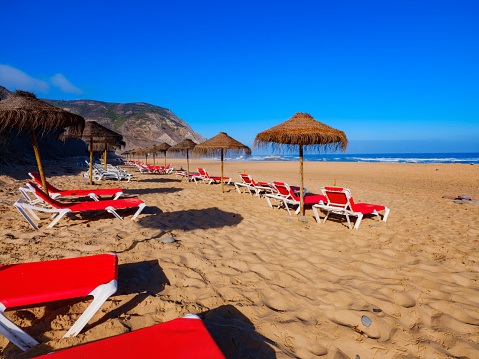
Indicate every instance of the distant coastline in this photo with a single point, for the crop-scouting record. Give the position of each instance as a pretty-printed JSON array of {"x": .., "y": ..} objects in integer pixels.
[{"x": 464, "y": 158}]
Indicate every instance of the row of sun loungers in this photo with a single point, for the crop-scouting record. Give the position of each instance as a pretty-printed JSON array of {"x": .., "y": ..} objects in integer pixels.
[
  {"x": 333, "y": 200},
  {"x": 36, "y": 200},
  {"x": 112, "y": 172},
  {"x": 41, "y": 282}
]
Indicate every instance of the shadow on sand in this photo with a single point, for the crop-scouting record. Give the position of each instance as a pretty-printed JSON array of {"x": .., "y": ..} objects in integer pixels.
[
  {"x": 191, "y": 219},
  {"x": 235, "y": 335}
]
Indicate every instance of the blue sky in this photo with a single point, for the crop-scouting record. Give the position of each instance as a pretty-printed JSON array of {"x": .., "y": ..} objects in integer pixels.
[{"x": 393, "y": 75}]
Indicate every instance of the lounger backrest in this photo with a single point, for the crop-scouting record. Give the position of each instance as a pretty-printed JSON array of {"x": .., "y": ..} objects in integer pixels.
[
  {"x": 203, "y": 173},
  {"x": 282, "y": 188},
  {"x": 38, "y": 179},
  {"x": 44, "y": 196},
  {"x": 338, "y": 197},
  {"x": 247, "y": 178}
]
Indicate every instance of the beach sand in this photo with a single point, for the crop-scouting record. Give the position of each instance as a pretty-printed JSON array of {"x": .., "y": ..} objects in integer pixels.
[{"x": 265, "y": 284}]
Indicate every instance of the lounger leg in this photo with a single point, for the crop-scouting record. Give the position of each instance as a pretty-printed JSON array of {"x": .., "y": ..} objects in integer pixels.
[
  {"x": 93, "y": 196},
  {"x": 118, "y": 195},
  {"x": 287, "y": 208},
  {"x": 349, "y": 221},
  {"x": 111, "y": 210},
  {"x": 360, "y": 217},
  {"x": 140, "y": 208},
  {"x": 61, "y": 213},
  {"x": 326, "y": 217},
  {"x": 26, "y": 216},
  {"x": 34, "y": 215},
  {"x": 100, "y": 295},
  {"x": 386, "y": 214},
  {"x": 316, "y": 214},
  {"x": 269, "y": 202},
  {"x": 14, "y": 333}
]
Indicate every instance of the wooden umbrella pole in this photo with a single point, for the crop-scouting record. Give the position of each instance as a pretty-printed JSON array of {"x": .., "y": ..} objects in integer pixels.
[
  {"x": 187, "y": 167},
  {"x": 154, "y": 159},
  {"x": 165, "y": 159},
  {"x": 104, "y": 158},
  {"x": 301, "y": 174},
  {"x": 146, "y": 159},
  {"x": 39, "y": 161},
  {"x": 91, "y": 161},
  {"x": 222, "y": 184}
]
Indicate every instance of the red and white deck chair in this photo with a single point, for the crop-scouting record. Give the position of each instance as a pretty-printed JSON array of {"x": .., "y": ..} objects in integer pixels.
[
  {"x": 44, "y": 203},
  {"x": 287, "y": 195},
  {"x": 251, "y": 186},
  {"x": 188, "y": 177},
  {"x": 340, "y": 201},
  {"x": 209, "y": 180},
  {"x": 92, "y": 193},
  {"x": 40, "y": 282},
  {"x": 185, "y": 338}
]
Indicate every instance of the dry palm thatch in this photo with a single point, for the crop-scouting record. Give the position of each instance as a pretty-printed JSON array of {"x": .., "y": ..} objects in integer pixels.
[
  {"x": 101, "y": 146},
  {"x": 163, "y": 147},
  {"x": 184, "y": 147},
  {"x": 302, "y": 130},
  {"x": 22, "y": 110},
  {"x": 94, "y": 133},
  {"x": 220, "y": 145}
]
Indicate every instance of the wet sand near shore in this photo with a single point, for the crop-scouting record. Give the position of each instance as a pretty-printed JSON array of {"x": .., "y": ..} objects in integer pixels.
[{"x": 265, "y": 284}]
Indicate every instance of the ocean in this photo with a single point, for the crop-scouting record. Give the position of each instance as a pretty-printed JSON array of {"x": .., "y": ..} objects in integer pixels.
[{"x": 465, "y": 158}]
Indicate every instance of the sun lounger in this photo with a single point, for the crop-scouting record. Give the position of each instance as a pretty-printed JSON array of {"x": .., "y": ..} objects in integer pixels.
[
  {"x": 40, "y": 282},
  {"x": 185, "y": 338},
  {"x": 99, "y": 173},
  {"x": 188, "y": 177},
  {"x": 340, "y": 201},
  {"x": 209, "y": 180},
  {"x": 287, "y": 195},
  {"x": 92, "y": 193},
  {"x": 251, "y": 186},
  {"x": 49, "y": 205}
]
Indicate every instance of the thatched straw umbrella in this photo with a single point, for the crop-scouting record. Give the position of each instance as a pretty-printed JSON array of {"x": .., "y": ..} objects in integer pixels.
[
  {"x": 163, "y": 147},
  {"x": 220, "y": 145},
  {"x": 183, "y": 147},
  {"x": 127, "y": 154},
  {"x": 94, "y": 133},
  {"x": 106, "y": 146},
  {"x": 302, "y": 130},
  {"x": 22, "y": 110}
]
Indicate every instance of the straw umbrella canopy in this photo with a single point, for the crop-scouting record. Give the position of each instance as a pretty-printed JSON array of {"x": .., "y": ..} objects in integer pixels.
[
  {"x": 145, "y": 152},
  {"x": 22, "y": 110},
  {"x": 94, "y": 133},
  {"x": 220, "y": 145},
  {"x": 106, "y": 147},
  {"x": 184, "y": 147},
  {"x": 302, "y": 130},
  {"x": 127, "y": 153},
  {"x": 163, "y": 147}
]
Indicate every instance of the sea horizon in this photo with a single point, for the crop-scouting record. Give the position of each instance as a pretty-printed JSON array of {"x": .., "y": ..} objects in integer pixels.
[{"x": 461, "y": 158}]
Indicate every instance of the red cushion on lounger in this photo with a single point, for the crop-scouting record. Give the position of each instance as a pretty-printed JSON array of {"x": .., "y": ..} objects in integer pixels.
[
  {"x": 40, "y": 282},
  {"x": 180, "y": 338},
  {"x": 366, "y": 208},
  {"x": 99, "y": 205}
]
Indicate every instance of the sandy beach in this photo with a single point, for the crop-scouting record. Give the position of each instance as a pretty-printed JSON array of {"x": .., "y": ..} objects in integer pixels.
[{"x": 265, "y": 284}]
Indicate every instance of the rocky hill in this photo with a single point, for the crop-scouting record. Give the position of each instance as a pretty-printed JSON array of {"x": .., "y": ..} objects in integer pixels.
[{"x": 141, "y": 124}]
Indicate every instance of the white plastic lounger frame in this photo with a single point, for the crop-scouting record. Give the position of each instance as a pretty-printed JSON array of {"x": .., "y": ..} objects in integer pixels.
[{"x": 24, "y": 341}]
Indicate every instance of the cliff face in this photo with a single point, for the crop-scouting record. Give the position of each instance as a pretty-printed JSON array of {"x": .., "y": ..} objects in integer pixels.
[{"x": 141, "y": 124}]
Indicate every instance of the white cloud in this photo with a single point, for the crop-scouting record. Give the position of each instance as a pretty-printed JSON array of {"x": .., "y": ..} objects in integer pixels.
[
  {"x": 64, "y": 85},
  {"x": 13, "y": 78}
]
